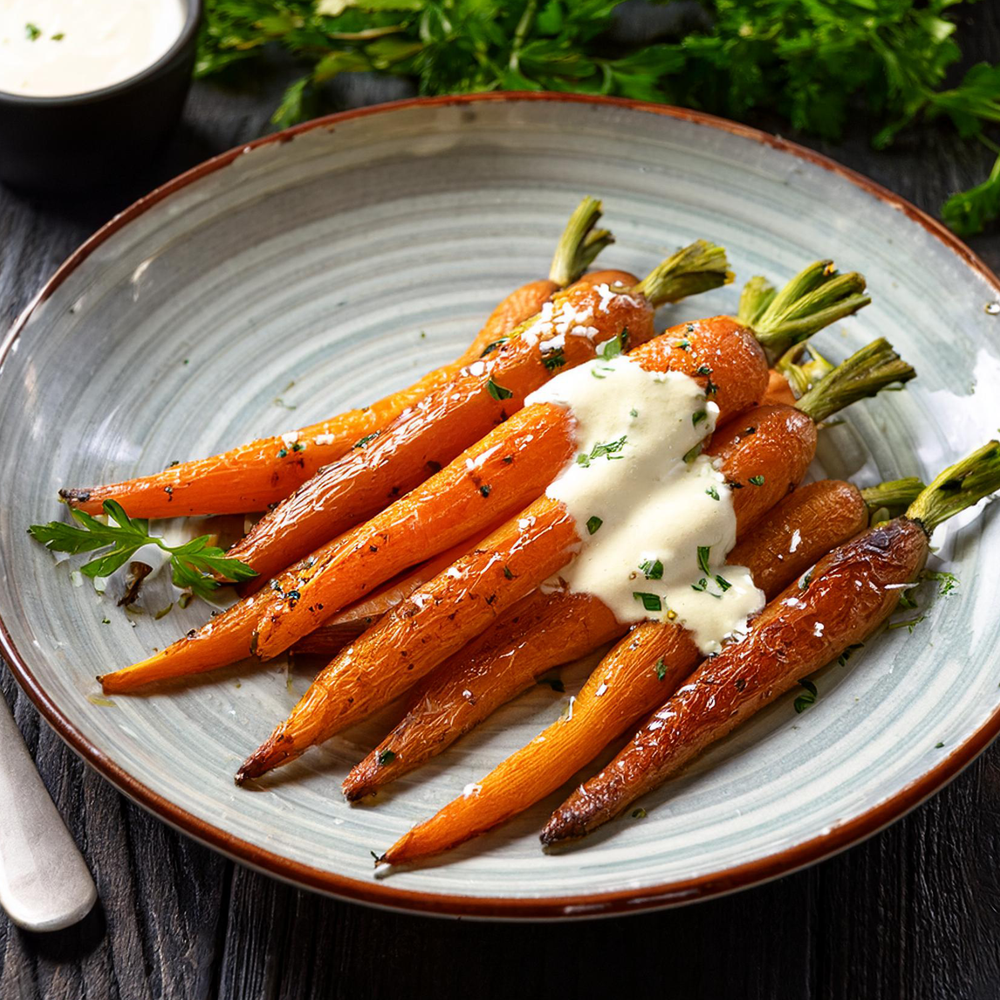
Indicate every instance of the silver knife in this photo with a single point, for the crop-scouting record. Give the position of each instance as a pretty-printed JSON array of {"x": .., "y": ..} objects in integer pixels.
[{"x": 44, "y": 881}]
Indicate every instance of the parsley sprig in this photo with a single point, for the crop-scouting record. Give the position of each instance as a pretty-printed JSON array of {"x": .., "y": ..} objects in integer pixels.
[
  {"x": 816, "y": 65},
  {"x": 192, "y": 563}
]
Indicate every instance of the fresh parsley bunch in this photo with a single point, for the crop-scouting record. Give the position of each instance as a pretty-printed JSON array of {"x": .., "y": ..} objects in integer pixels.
[
  {"x": 816, "y": 63},
  {"x": 192, "y": 563}
]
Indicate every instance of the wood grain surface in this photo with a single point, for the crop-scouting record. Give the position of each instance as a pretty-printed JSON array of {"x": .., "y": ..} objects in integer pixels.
[{"x": 913, "y": 912}]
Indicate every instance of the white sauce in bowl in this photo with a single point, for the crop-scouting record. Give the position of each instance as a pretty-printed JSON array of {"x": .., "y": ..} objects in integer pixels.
[
  {"x": 56, "y": 48},
  {"x": 656, "y": 529}
]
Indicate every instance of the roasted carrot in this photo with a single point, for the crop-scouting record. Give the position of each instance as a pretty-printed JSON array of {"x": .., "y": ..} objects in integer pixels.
[
  {"x": 436, "y": 621},
  {"x": 254, "y": 476},
  {"x": 544, "y": 630},
  {"x": 840, "y": 602},
  {"x": 477, "y": 398},
  {"x": 346, "y": 625},
  {"x": 443, "y": 616},
  {"x": 656, "y": 656}
]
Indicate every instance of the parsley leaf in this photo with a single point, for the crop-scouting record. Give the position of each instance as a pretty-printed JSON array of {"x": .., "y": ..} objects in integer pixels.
[
  {"x": 649, "y": 601},
  {"x": 815, "y": 65},
  {"x": 609, "y": 451},
  {"x": 948, "y": 581},
  {"x": 703, "y": 554},
  {"x": 193, "y": 564},
  {"x": 497, "y": 391},
  {"x": 809, "y": 698},
  {"x": 361, "y": 442},
  {"x": 652, "y": 569},
  {"x": 969, "y": 212},
  {"x": 554, "y": 359},
  {"x": 615, "y": 346}
]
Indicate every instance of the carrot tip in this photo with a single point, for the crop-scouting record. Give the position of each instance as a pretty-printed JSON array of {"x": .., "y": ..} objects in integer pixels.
[
  {"x": 356, "y": 792},
  {"x": 248, "y": 770},
  {"x": 565, "y": 825},
  {"x": 269, "y": 755}
]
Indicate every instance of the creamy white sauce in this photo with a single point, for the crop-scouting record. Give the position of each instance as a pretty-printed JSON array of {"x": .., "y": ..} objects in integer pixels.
[
  {"x": 54, "y": 48},
  {"x": 637, "y": 503},
  {"x": 560, "y": 317}
]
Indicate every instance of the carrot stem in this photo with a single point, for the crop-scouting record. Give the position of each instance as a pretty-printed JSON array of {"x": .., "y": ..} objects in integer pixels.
[
  {"x": 892, "y": 496},
  {"x": 816, "y": 297},
  {"x": 697, "y": 268},
  {"x": 960, "y": 486},
  {"x": 803, "y": 366},
  {"x": 864, "y": 373},
  {"x": 758, "y": 293},
  {"x": 579, "y": 244}
]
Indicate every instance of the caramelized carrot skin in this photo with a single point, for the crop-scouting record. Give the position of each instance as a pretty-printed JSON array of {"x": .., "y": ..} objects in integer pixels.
[
  {"x": 778, "y": 390},
  {"x": 338, "y": 631},
  {"x": 503, "y": 473},
  {"x": 643, "y": 668},
  {"x": 223, "y": 639},
  {"x": 253, "y": 476},
  {"x": 539, "y": 632},
  {"x": 805, "y": 525},
  {"x": 734, "y": 359},
  {"x": 847, "y": 594},
  {"x": 721, "y": 344},
  {"x": 520, "y": 305},
  {"x": 419, "y": 634},
  {"x": 765, "y": 455},
  {"x": 428, "y": 436}
]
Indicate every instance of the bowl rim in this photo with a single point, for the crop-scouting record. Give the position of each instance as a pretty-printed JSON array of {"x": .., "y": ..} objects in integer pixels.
[
  {"x": 378, "y": 894},
  {"x": 194, "y": 10}
]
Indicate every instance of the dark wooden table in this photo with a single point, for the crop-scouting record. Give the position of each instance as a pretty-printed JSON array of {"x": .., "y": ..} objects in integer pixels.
[{"x": 913, "y": 912}]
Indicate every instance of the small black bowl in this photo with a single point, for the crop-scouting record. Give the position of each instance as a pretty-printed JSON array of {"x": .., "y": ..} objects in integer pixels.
[{"x": 66, "y": 144}]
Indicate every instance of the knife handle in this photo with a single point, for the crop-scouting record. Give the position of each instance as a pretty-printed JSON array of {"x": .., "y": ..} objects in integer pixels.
[{"x": 44, "y": 881}]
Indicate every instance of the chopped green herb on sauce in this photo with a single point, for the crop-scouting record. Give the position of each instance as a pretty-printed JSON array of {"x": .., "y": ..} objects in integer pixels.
[
  {"x": 649, "y": 601},
  {"x": 652, "y": 569},
  {"x": 609, "y": 451},
  {"x": 703, "y": 553}
]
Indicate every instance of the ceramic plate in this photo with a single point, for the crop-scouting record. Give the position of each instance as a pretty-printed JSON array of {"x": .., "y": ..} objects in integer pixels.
[{"x": 322, "y": 267}]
